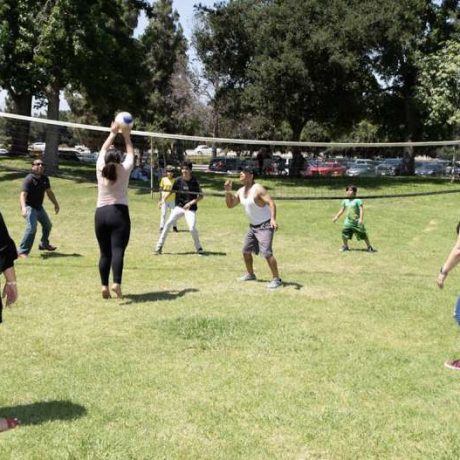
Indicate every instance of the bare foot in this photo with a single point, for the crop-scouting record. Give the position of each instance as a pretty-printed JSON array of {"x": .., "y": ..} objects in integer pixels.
[
  {"x": 105, "y": 292},
  {"x": 8, "y": 423},
  {"x": 117, "y": 289}
]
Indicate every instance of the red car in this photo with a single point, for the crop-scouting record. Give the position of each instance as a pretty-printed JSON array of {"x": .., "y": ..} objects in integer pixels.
[{"x": 327, "y": 168}]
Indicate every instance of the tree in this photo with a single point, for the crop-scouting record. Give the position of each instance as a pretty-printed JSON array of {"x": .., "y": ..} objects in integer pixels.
[
  {"x": 18, "y": 72},
  {"x": 438, "y": 90},
  {"x": 287, "y": 61},
  {"x": 164, "y": 48}
]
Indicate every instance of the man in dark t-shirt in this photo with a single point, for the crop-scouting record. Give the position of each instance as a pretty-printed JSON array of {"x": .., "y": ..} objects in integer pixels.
[
  {"x": 188, "y": 193},
  {"x": 34, "y": 187}
]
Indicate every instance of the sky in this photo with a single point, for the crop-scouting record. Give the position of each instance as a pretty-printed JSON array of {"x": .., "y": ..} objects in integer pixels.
[{"x": 185, "y": 10}]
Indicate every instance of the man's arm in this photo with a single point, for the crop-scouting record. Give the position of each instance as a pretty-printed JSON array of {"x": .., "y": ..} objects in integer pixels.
[
  {"x": 361, "y": 214},
  {"x": 22, "y": 202},
  {"x": 337, "y": 216},
  {"x": 452, "y": 260},
  {"x": 199, "y": 197},
  {"x": 231, "y": 200},
  {"x": 52, "y": 198},
  {"x": 267, "y": 199}
]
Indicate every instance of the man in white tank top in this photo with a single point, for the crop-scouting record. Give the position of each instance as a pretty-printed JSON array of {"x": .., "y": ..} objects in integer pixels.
[{"x": 261, "y": 211}]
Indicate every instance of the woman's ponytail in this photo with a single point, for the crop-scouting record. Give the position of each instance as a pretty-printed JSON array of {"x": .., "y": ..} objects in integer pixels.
[{"x": 109, "y": 171}]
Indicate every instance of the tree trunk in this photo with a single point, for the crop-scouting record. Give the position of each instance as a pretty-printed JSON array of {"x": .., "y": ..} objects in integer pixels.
[
  {"x": 50, "y": 157},
  {"x": 22, "y": 105},
  {"x": 297, "y": 158}
]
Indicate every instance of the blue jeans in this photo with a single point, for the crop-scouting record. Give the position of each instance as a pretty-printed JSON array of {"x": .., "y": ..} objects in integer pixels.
[
  {"x": 457, "y": 311},
  {"x": 34, "y": 215}
]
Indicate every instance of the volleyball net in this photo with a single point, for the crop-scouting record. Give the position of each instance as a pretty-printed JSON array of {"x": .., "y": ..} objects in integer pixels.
[{"x": 324, "y": 168}]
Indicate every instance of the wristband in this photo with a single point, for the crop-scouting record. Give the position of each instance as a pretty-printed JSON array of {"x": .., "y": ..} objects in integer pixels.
[{"x": 11, "y": 283}]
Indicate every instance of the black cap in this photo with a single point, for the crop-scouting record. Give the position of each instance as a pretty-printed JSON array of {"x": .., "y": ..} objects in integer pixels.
[{"x": 249, "y": 169}]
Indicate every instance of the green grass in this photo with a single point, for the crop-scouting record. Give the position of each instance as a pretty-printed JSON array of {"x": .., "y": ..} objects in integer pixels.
[{"x": 345, "y": 361}]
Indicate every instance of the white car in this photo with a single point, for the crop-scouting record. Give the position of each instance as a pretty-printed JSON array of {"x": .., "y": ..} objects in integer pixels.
[
  {"x": 38, "y": 146},
  {"x": 204, "y": 150},
  {"x": 3, "y": 152}
]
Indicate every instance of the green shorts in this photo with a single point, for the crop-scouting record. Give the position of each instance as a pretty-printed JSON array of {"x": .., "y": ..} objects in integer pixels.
[{"x": 354, "y": 229}]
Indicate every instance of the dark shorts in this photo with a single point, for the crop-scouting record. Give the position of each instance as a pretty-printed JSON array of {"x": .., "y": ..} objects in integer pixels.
[
  {"x": 259, "y": 239},
  {"x": 354, "y": 229}
]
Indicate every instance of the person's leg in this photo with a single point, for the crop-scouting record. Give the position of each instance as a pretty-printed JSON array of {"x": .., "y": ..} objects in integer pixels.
[
  {"x": 104, "y": 240},
  {"x": 347, "y": 234},
  {"x": 264, "y": 236},
  {"x": 121, "y": 225},
  {"x": 46, "y": 224},
  {"x": 171, "y": 207},
  {"x": 250, "y": 245},
  {"x": 176, "y": 213},
  {"x": 455, "y": 364},
  {"x": 249, "y": 262},
  {"x": 190, "y": 217},
  {"x": 29, "y": 233},
  {"x": 273, "y": 264},
  {"x": 163, "y": 209}
]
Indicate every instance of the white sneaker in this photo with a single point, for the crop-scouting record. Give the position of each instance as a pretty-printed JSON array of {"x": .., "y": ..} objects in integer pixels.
[
  {"x": 274, "y": 283},
  {"x": 247, "y": 277}
]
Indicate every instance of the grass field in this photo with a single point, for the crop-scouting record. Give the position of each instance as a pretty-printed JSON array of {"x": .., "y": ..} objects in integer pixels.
[{"x": 344, "y": 362}]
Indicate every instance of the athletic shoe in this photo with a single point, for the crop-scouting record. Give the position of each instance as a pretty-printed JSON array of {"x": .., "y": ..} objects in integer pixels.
[
  {"x": 200, "y": 251},
  {"x": 247, "y": 277},
  {"x": 47, "y": 247},
  {"x": 274, "y": 283},
  {"x": 453, "y": 364},
  {"x": 158, "y": 250},
  {"x": 344, "y": 248},
  {"x": 371, "y": 249},
  {"x": 175, "y": 230}
]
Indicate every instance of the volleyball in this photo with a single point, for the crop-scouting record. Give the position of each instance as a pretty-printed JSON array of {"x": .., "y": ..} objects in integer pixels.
[{"x": 124, "y": 119}]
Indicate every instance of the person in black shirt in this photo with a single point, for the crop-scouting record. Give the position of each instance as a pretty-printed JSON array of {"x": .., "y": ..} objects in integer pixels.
[
  {"x": 34, "y": 187},
  {"x": 188, "y": 193},
  {"x": 8, "y": 255}
]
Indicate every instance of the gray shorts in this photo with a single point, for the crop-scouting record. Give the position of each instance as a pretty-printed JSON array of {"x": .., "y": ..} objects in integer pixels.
[{"x": 259, "y": 239}]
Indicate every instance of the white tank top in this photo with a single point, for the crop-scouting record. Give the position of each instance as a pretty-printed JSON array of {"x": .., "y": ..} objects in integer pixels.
[{"x": 256, "y": 214}]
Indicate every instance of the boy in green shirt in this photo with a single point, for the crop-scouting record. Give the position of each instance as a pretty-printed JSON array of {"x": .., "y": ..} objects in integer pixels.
[{"x": 354, "y": 219}]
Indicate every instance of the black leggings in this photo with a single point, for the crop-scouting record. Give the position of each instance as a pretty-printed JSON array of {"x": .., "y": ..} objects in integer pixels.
[{"x": 113, "y": 227}]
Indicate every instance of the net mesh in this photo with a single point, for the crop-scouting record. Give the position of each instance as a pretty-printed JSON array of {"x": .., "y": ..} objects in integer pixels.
[{"x": 327, "y": 168}]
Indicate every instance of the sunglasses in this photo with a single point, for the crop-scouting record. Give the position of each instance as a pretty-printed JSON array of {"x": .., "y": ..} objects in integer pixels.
[{"x": 39, "y": 164}]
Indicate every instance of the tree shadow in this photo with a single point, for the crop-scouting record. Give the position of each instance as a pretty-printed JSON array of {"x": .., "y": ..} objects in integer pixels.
[
  {"x": 9, "y": 176},
  {"x": 156, "y": 296},
  {"x": 56, "y": 255},
  {"x": 44, "y": 411}
]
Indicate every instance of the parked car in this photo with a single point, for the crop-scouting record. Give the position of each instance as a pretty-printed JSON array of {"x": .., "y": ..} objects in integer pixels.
[
  {"x": 68, "y": 154},
  {"x": 429, "y": 168},
  {"x": 327, "y": 168},
  {"x": 38, "y": 146},
  {"x": 87, "y": 157},
  {"x": 364, "y": 170},
  {"x": 3, "y": 152},
  {"x": 204, "y": 150},
  {"x": 228, "y": 165},
  {"x": 389, "y": 167},
  {"x": 364, "y": 161}
]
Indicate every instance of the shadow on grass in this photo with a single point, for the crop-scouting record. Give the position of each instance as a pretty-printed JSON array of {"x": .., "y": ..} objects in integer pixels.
[
  {"x": 45, "y": 411},
  {"x": 296, "y": 286},
  {"x": 204, "y": 254},
  {"x": 9, "y": 176},
  {"x": 156, "y": 296},
  {"x": 56, "y": 255}
]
